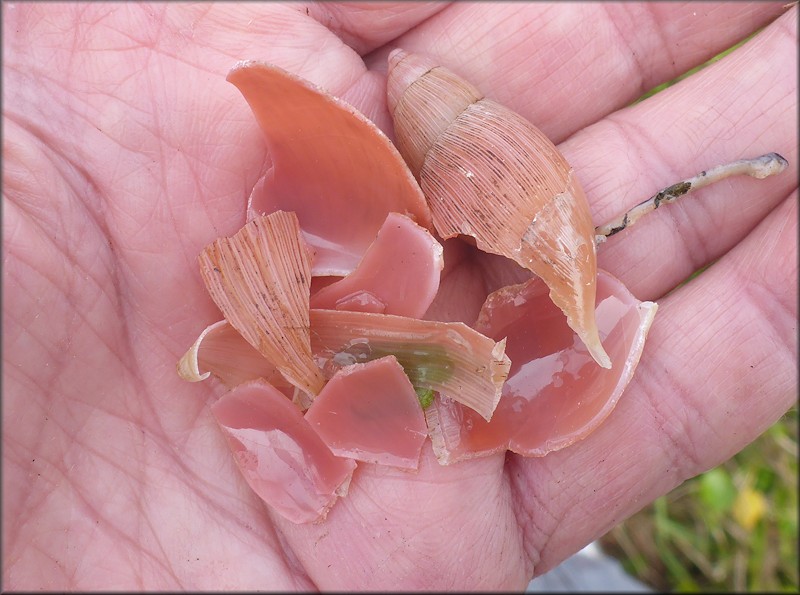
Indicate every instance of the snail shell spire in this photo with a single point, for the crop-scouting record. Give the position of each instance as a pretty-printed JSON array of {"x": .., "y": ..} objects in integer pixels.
[{"x": 490, "y": 174}]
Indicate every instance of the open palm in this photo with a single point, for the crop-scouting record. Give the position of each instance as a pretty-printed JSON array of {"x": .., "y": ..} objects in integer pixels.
[{"x": 125, "y": 152}]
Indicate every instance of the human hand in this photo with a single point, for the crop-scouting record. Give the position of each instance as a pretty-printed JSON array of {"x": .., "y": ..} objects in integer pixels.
[{"x": 125, "y": 152}]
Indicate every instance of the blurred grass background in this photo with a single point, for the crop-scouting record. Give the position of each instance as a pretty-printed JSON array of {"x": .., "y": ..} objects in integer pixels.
[{"x": 733, "y": 528}]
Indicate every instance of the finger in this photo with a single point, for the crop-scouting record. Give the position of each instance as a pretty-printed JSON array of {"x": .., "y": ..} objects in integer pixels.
[
  {"x": 366, "y": 25},
  {"x": 742, "y": 106},
  {"x": 718, "y": 369},
  {"x": 565, "y": 66}
]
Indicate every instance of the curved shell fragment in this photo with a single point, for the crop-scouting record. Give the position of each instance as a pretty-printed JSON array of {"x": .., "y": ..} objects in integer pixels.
[
  {"x": 220, "y": 350},
  {"x": 279, "y": 454},
  {"x": 554, "y": 394},
  {"x": 316, "y": 141}
]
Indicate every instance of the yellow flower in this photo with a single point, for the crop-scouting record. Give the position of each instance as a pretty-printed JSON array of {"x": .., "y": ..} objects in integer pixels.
[{"x": 749, "y": 508}]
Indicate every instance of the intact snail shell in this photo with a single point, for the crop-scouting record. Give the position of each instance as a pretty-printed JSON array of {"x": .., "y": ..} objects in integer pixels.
[{"x": 490, "y": 174}]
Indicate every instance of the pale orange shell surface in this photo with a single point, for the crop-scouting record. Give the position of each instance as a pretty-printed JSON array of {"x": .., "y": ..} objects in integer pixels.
[
  {"x": 330, "y": 165},
  {"x": 490, "y": 174},
  {"x": 259, "y": 278}
]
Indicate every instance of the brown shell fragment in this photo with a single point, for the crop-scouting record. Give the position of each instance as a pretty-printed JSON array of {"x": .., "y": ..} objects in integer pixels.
[
  {"x": 259, "y": 278},
  {"x": 490, "y": 174}
]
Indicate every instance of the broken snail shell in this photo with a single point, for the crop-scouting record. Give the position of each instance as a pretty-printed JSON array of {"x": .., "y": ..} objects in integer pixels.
[
  {"x": 490, "y": 174},
  {"x": 315, "y": 142}
]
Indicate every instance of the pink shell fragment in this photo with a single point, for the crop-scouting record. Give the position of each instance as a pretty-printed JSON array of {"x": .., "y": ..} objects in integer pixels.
[
  {"x": 316, "y": 143},
  {"x": 370, "y": 412},
  {"x": 279, "y": 454},
  {"x": 400, "y": 270},
  {"x": 555, "y": 393}
]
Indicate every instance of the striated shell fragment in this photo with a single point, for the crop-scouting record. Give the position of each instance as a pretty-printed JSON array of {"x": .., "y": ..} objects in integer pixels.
[
  {"x": 491, "y": 175},
  {"x": 259, "y": 278},
  {"x": 370, "y": 412},
  {"x": 282, "y": 458},
  {"x": 447, "y": 357},
  {"x": 554, "y": 394},
  {"x": 330, "y": 165}
]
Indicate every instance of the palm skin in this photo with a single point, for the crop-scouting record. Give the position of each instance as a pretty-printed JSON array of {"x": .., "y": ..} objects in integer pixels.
[{"x": 125, "y": 152}]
